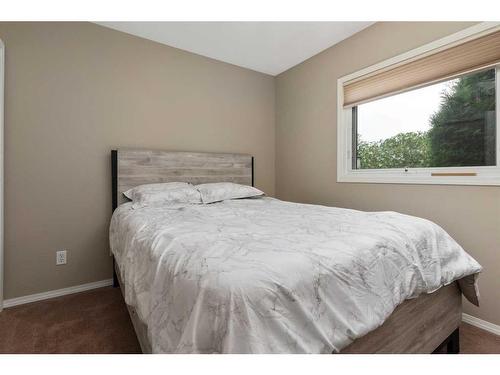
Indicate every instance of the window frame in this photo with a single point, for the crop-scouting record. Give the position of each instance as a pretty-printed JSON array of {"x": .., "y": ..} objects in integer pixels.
[{"x": 484, "y": 175}]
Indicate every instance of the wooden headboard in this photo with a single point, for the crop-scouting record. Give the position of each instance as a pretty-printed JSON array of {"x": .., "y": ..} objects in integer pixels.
[{"x": 131, "y": 168}]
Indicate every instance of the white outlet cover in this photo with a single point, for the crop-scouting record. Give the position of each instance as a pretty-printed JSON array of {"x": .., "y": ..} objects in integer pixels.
[{"x": 60, "y": 257}]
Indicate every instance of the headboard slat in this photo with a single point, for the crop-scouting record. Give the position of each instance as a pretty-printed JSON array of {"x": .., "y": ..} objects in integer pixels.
[{"x": 137, "y": 167}]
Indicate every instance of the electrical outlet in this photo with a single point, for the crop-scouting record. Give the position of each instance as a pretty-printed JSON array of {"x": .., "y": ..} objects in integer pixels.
[{"x": 60, "y": 257}]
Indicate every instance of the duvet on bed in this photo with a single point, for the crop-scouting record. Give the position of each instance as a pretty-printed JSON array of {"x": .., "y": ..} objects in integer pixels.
[{"x": 267, "y": 276}]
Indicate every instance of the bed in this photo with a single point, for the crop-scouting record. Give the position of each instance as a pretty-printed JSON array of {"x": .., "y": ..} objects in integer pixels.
[{"x": 266, "y": 276}]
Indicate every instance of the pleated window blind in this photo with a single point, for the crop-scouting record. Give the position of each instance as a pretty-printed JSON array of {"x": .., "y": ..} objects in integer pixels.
[{"x": 469, "y": 56}]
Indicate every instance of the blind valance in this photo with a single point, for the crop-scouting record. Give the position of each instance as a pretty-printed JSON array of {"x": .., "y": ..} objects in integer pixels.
[{"x": 472, "y": 55}]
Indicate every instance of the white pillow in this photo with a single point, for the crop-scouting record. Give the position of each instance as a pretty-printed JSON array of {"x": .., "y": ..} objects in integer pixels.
[
  {"x": 153, "y": 188},
  {"x": 173, "y": 197},
  {"x": 220, "y": 191}
]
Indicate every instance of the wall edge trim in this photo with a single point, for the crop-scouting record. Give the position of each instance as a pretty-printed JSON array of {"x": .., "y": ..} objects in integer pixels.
[
  {"x": 480, "y": 323},
  {"x": 55, "y": 293}
]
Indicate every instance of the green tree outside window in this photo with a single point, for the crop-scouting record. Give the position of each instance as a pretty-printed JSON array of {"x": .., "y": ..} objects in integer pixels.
[{"x": 462, "y": 132}]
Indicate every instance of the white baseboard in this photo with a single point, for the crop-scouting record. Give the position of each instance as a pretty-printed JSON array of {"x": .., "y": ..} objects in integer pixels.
[
  {"x": 55, "y": 293},
  {"x": 483, "y": 324}
]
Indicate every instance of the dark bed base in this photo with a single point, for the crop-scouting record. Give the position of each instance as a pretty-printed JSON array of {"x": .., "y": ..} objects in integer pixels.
[
  {"x": 452, "y": 343},
  {"x": 116, "y": 284},
  {"x": 114, "y": 179},
  {"x": 114, "y": 200}
]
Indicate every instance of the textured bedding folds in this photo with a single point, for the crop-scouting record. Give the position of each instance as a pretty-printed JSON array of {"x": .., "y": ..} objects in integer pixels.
[{"x": 267, "y": 276}]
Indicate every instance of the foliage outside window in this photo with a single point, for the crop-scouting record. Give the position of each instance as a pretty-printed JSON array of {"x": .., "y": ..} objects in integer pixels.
[{"x": 405, "y": 131}]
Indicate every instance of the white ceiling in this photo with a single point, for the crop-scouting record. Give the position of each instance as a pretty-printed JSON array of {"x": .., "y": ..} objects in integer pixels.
[{"x": 267, "y": 47}]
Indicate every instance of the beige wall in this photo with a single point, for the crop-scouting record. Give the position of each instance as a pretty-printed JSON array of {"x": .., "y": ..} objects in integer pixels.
[
  {"x": 74, "y": 92},
  {"x": 306, "y": 152}
]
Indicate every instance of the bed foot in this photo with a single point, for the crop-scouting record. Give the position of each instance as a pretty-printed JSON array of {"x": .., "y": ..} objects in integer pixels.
[
  {"x": 115, "y": 280},
  {"x": 453, "y": 345},
  {"x": 116, "y": 284}
]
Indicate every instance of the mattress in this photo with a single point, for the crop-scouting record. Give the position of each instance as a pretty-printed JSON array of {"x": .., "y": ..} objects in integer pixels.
[{"x": 268, "y": 276}]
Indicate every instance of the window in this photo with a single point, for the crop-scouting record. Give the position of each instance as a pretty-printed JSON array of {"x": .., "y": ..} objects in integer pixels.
[
  {"x": 448, "y": 124},
  {"x": 444, "y": 131}
]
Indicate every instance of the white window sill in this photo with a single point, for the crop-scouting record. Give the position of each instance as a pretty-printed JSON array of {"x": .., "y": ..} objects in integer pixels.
[{"x": 422, "y": 177}]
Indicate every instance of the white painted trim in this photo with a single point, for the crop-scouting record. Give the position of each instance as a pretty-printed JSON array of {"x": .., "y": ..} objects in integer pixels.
[
  {"x": 56, "y": 293},
  {"x": 479, "y": 323},
  {"x": 489, "y": 176},
  {"x": 2, "y": 75}
]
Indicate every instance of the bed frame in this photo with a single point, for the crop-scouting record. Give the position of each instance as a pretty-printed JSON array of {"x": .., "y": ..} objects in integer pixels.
[{"x": 427, "y": 324}]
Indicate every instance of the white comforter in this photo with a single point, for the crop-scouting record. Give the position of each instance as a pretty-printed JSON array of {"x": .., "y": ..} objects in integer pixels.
[{"x": 268, "y": 276}]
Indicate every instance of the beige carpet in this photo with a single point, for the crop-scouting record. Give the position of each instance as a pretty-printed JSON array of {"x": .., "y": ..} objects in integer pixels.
[{"x": 97, "y": 322}]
